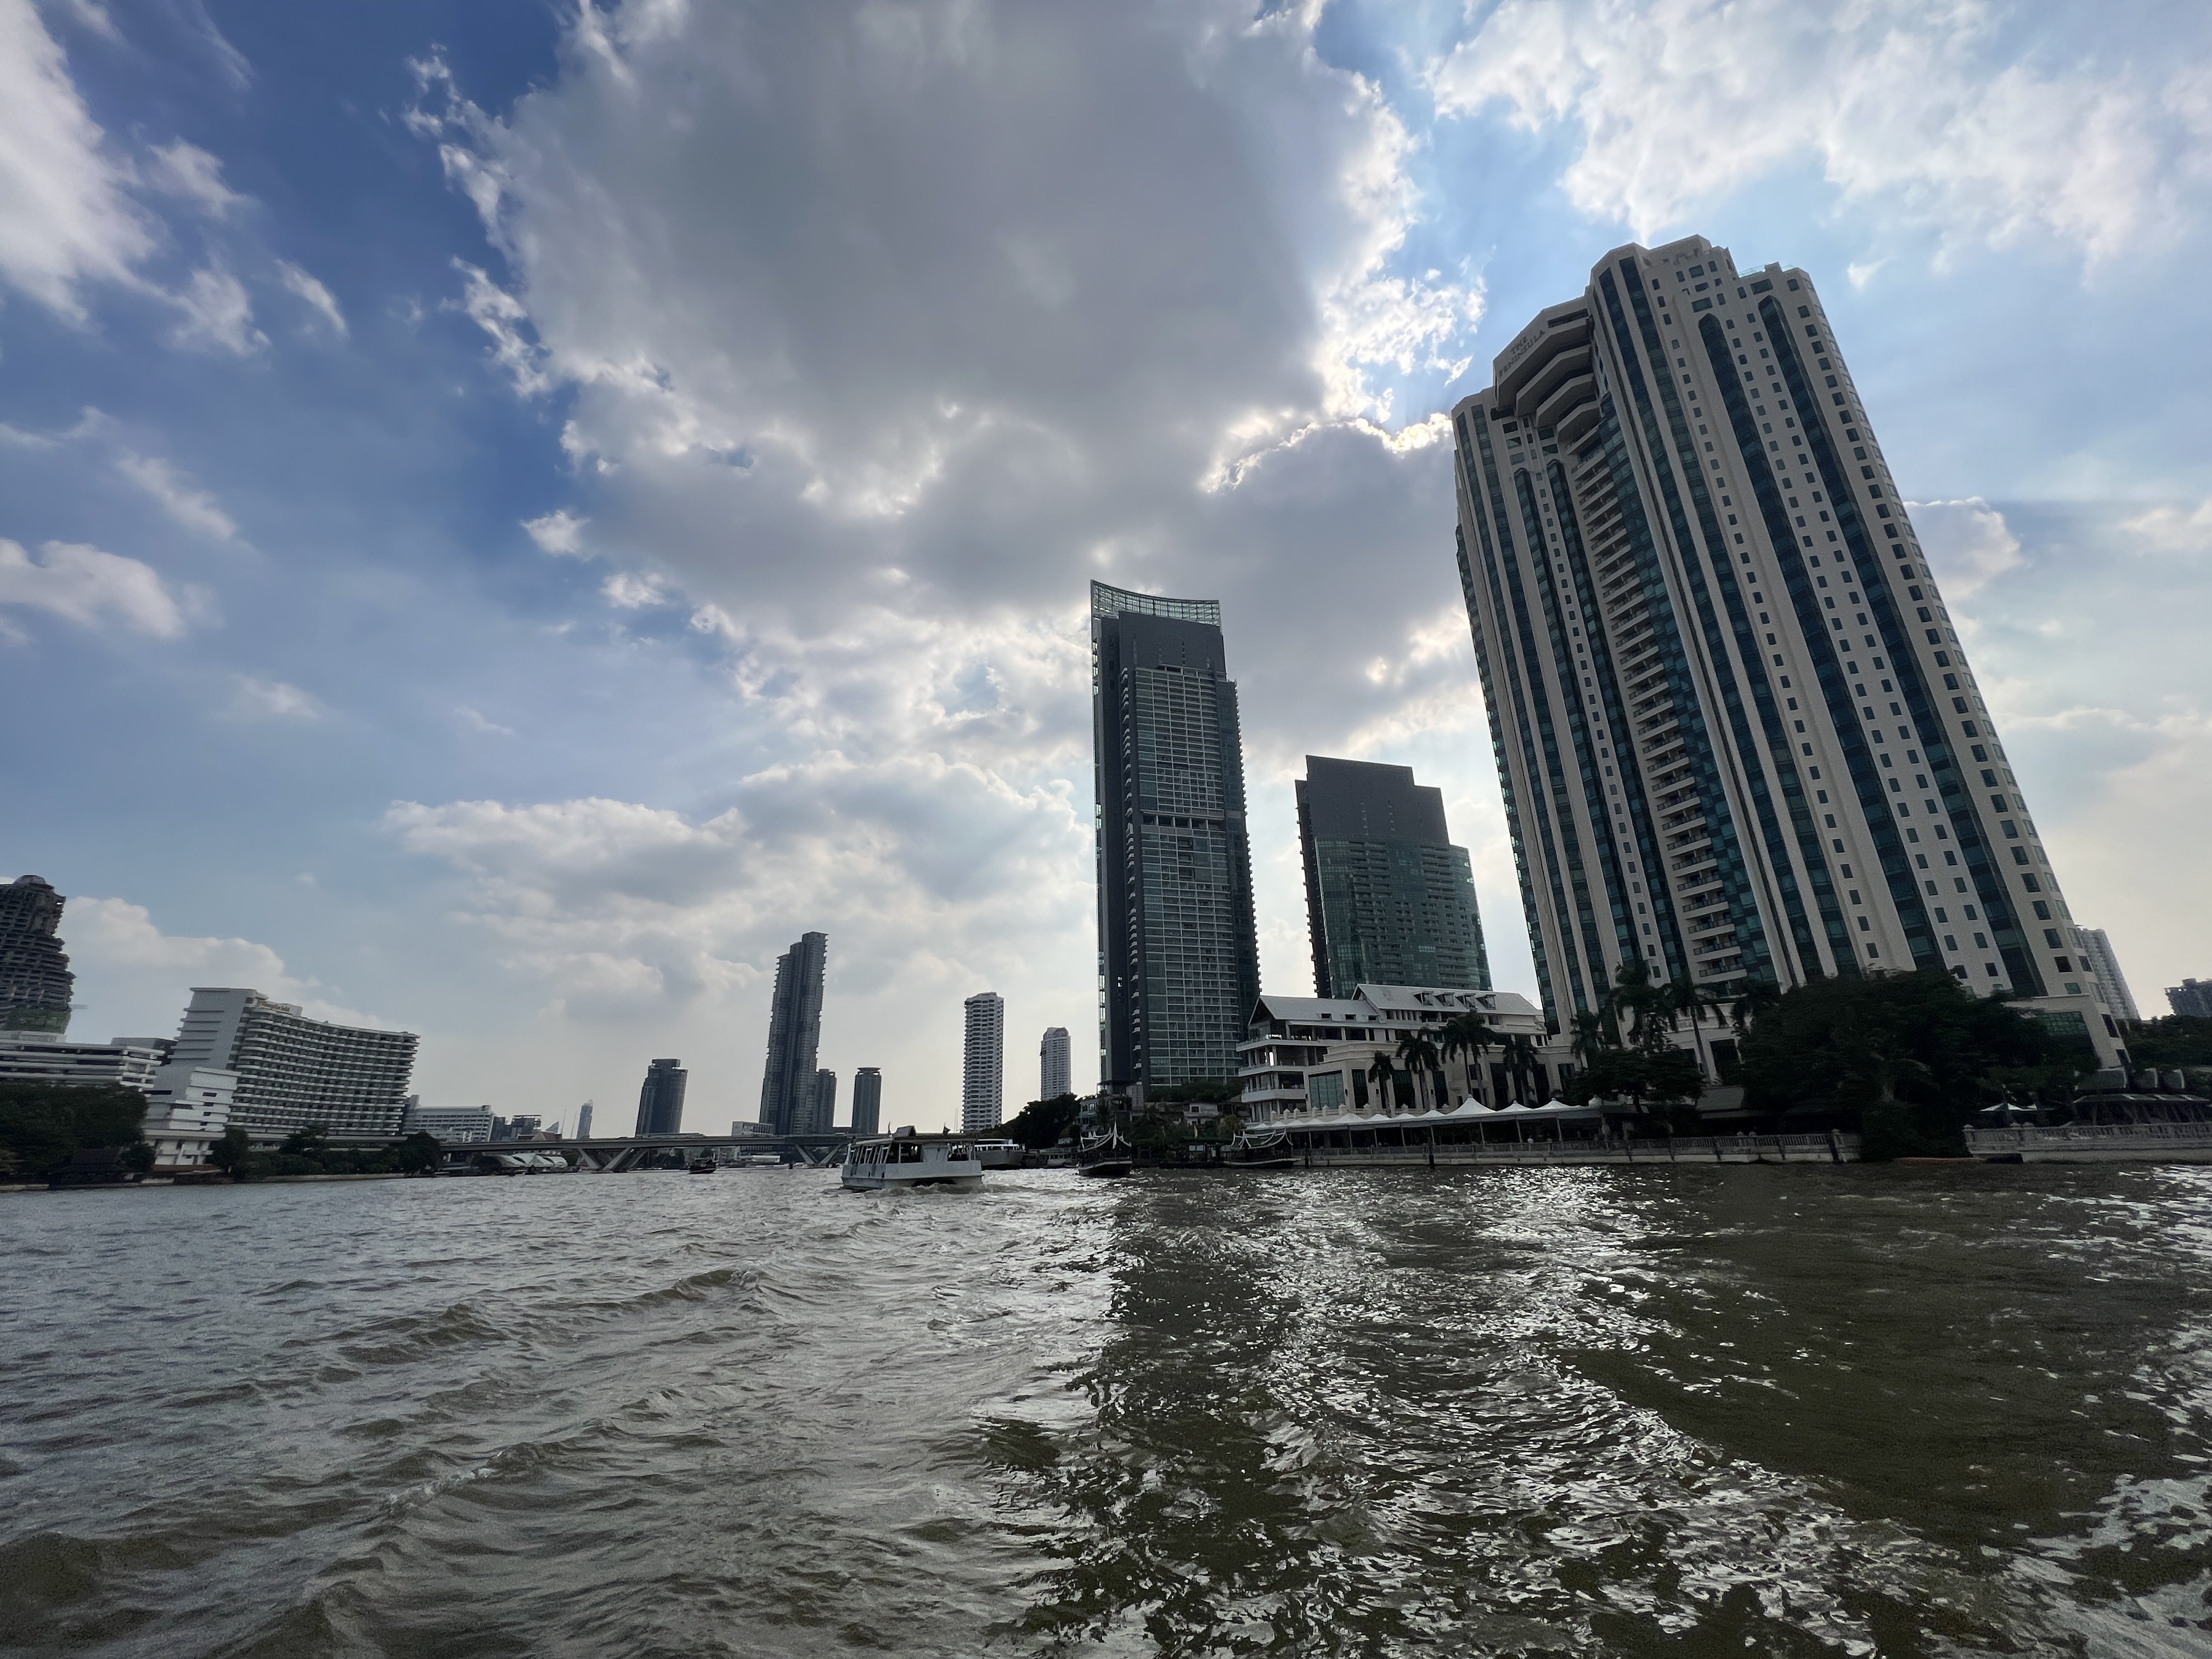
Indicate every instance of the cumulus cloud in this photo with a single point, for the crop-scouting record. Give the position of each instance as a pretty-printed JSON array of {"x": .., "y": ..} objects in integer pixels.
[
  {"x": 65, "y": 218},
  {"x": 559, "y": 531},
  {"x": 133, "y": 978},
  {"x": 1967, "y": 541},
  {"x": 254, "y": 699},
  {"x": 2173, "y": 529},
  {"x": 91, "y": 588},
  {"x": 1936, "y": 111},
  {"x": 180, "y": 499}
]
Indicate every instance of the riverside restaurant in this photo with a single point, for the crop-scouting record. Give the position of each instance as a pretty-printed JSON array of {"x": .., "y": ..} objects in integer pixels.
[{"x": 1554, "y": 1133}]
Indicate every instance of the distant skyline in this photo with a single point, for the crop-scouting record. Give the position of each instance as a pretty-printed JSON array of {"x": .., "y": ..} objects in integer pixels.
[{"x": 493, "y": 562}]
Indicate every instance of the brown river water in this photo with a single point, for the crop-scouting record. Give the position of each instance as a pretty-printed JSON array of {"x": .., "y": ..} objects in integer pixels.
[{"x": 1691, "y": 1411}]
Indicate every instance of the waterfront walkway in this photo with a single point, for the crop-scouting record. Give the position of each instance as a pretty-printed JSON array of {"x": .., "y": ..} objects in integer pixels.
[{"x": 1322, "y": 1149}]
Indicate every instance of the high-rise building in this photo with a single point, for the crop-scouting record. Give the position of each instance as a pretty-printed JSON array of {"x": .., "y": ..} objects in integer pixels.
[
  {"x": 1054, "y": 1065},
  {"x": 1178, "y": 958},
  {"x": 2097, "y": 954},
  {"x": 983, "y": 1063},
  {"x": 867, "y": 1100},
  {"x": 660, "y": 1098},
  {"x": 794, "y": 1034},
  {"x": 1389, "y": 899},
  {"x": 821, "y": 1103},
  {"x": 1736, "y": 727},
  {"x": 294, "y": 1071},
  {"x": 36, "y": 981},
  {"x": 2191, "y": 998},
  {"x": 584, "y": 1121}
]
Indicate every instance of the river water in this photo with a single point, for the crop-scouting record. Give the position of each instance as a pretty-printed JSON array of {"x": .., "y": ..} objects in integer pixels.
[{"x": 1560, "y": 1411}]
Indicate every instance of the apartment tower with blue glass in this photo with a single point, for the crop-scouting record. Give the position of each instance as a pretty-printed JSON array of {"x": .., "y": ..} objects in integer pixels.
[
  {"x": 1737, "y": 733},
  {"x": 1178, "y": 956}
]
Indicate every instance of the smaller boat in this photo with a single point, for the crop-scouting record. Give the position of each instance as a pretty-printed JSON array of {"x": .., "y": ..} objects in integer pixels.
[
  {"x": 1264, "y": 1148},
  {"x": 704, "y": 1164},
  {"x": 905, "y": 1159},
  {"x": 1000, "y": 1154},
  {"x": 1105, "y": 1156}
]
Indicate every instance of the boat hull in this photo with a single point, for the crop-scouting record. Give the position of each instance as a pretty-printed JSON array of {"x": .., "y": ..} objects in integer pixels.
[
  {"x": 1107, "y": 1169},
  {"x": 879, "y": 1183}
]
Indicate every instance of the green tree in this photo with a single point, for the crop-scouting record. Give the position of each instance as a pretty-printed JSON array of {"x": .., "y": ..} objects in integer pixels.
[
  {"x": 1904, "y": 1059},
  {"x": 1518, "y": 1051},
  {"x": 310, "y": 1140},
  {"x": 422, "y": 1152},
  {"x": 42, "y": 1123},
  {"x": 1591, "y": 1035},
  {"x": 1683, "y": 996},
  {"x": 1384, "y": 1073},
  {"x": 1043, "y": 1123},
  {"x": 2170, "y": 1040},
  {"x": 1631, "y": 1003},
  {"x": 1753, "y": 998},
  {"x": 232, "y": 1154}
]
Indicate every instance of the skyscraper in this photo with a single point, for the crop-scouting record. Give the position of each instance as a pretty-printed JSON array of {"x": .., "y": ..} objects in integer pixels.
[
  {"x": 295, "y": 1070},
  {"x": 660, "y": 1099},
  {"x": 1178, "y": 958},
  {"x": 1736, "y": 730},
  {"x": 584, "y": 1121},
  {"x": 794, "y": 1033},
  {"x": 1389, "y": 899},
  {"x": 983, "y": 1062},
  {"x": 1054, "y": 1065},
  {"x": 2112, "y": 983},
  {"x": 36, "y": 981},
  {"x": 867, "y": 1100},
  {"x": 821, "y": 1103}
]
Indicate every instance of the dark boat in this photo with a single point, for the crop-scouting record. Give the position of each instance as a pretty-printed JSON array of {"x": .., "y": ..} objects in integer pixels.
[
  {"x": 1264, "y": 1148},
  {"x": 1106, "y": 1155}
]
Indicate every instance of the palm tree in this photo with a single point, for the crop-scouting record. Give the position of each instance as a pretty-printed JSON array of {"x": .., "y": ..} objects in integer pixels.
[
  {"x": 1520, "y": 1054},
  {"x": 1633, "y": 994},
  {"x": 1753, "y": 998},
  {"x": 1384, "y": 1074},
  {"x": 1466, "y": 1037},
  {"x": 1684, "y": 995},
  {"x": 1417, "y": 1053},
  {"x": 1591, "y": 1037}
]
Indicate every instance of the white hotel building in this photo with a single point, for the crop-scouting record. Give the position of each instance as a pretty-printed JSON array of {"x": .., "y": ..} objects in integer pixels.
[
  {"x": 1312, "y": 1055},
  {"x": 294, "y": 1072},
  {"x": 1736, "y": 730}
]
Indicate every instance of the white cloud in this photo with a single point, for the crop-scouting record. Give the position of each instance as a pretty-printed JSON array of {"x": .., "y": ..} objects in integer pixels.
[
  {"x": 191, "y": 507},
  {"x": 187, "y": 171},
  {"x": 134, "y": 980},
  {"x": 218, "y": 314},
  {"x": 299, "y": 283},
  {"x": 91, "y": 588},
  {"x": 504, "y": 318},
  {"x": 65, "y": 219},
  {"x": 2173, "y": 529},
  {"x": 253, "y": 699},
  {"x": 1967, "y": 541},
  {"x": 474, "y": 721},
  {"x": 559, "y": 531},
  {"x": 1934, "y": 110}
]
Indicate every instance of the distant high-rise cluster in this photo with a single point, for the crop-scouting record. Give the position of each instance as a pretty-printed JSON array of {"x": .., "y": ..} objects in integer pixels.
[
  {"x": 660, "y": 1098},
  {"x": 1389, "y": 899},
  {"x": 983, "y": 1062},
  {"x": 1178, "y": 956},
  {"x": 794, "y": 1034},
  {"x": 1736, "y": 730},
  {"x": 1053, "y": 1065},
  {"x": 36, "y": 981},
  {"x": 867, "y": 1100}
]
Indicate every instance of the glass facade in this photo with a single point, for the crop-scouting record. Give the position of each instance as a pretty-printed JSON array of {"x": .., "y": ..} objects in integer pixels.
[{"x": 1178, "y": 957}]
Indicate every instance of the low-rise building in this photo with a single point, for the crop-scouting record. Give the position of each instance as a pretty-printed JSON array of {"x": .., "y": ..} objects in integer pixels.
[
  {"x": 2191, "y": 998},
  {"x": 49, "y": 1057},
  {"x": 454, "y": 1126},
  {"x": 187, "y": 1111},
  {"x": 1318, "y": 1054}
]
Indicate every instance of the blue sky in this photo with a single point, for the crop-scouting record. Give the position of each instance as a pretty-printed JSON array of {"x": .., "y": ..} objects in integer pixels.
[{"x": 511, "y": 512}]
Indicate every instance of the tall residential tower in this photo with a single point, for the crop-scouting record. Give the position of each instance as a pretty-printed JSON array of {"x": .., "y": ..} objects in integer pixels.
[
  {"x": 983, "y": 1062},
  {"x": 35, "y": 980},
  {"x": 1055, "y": 1066},
  {"x": 660, "y": 1098},
  {"x": 1178, "y": 957},
  {"x": 1389, "y": 899},
  {"x": 867, "y": 1100},
  {"x": 1735, "y": 728},
  {"x": 794, "y": 1034}
]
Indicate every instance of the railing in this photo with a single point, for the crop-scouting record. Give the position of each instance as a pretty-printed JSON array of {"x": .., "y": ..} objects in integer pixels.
[{"x": 2111, "y": 1136}]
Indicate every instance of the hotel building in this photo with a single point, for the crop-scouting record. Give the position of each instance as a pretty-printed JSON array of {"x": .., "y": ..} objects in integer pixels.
[
  {"x": 1313, "y": 1054},
  {"x": 294, "y": 1072},
  {"x": 1737, "y": 733}
]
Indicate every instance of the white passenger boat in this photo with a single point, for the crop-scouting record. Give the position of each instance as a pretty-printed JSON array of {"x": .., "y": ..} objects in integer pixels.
[{"x": 903, "y": 1159}]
